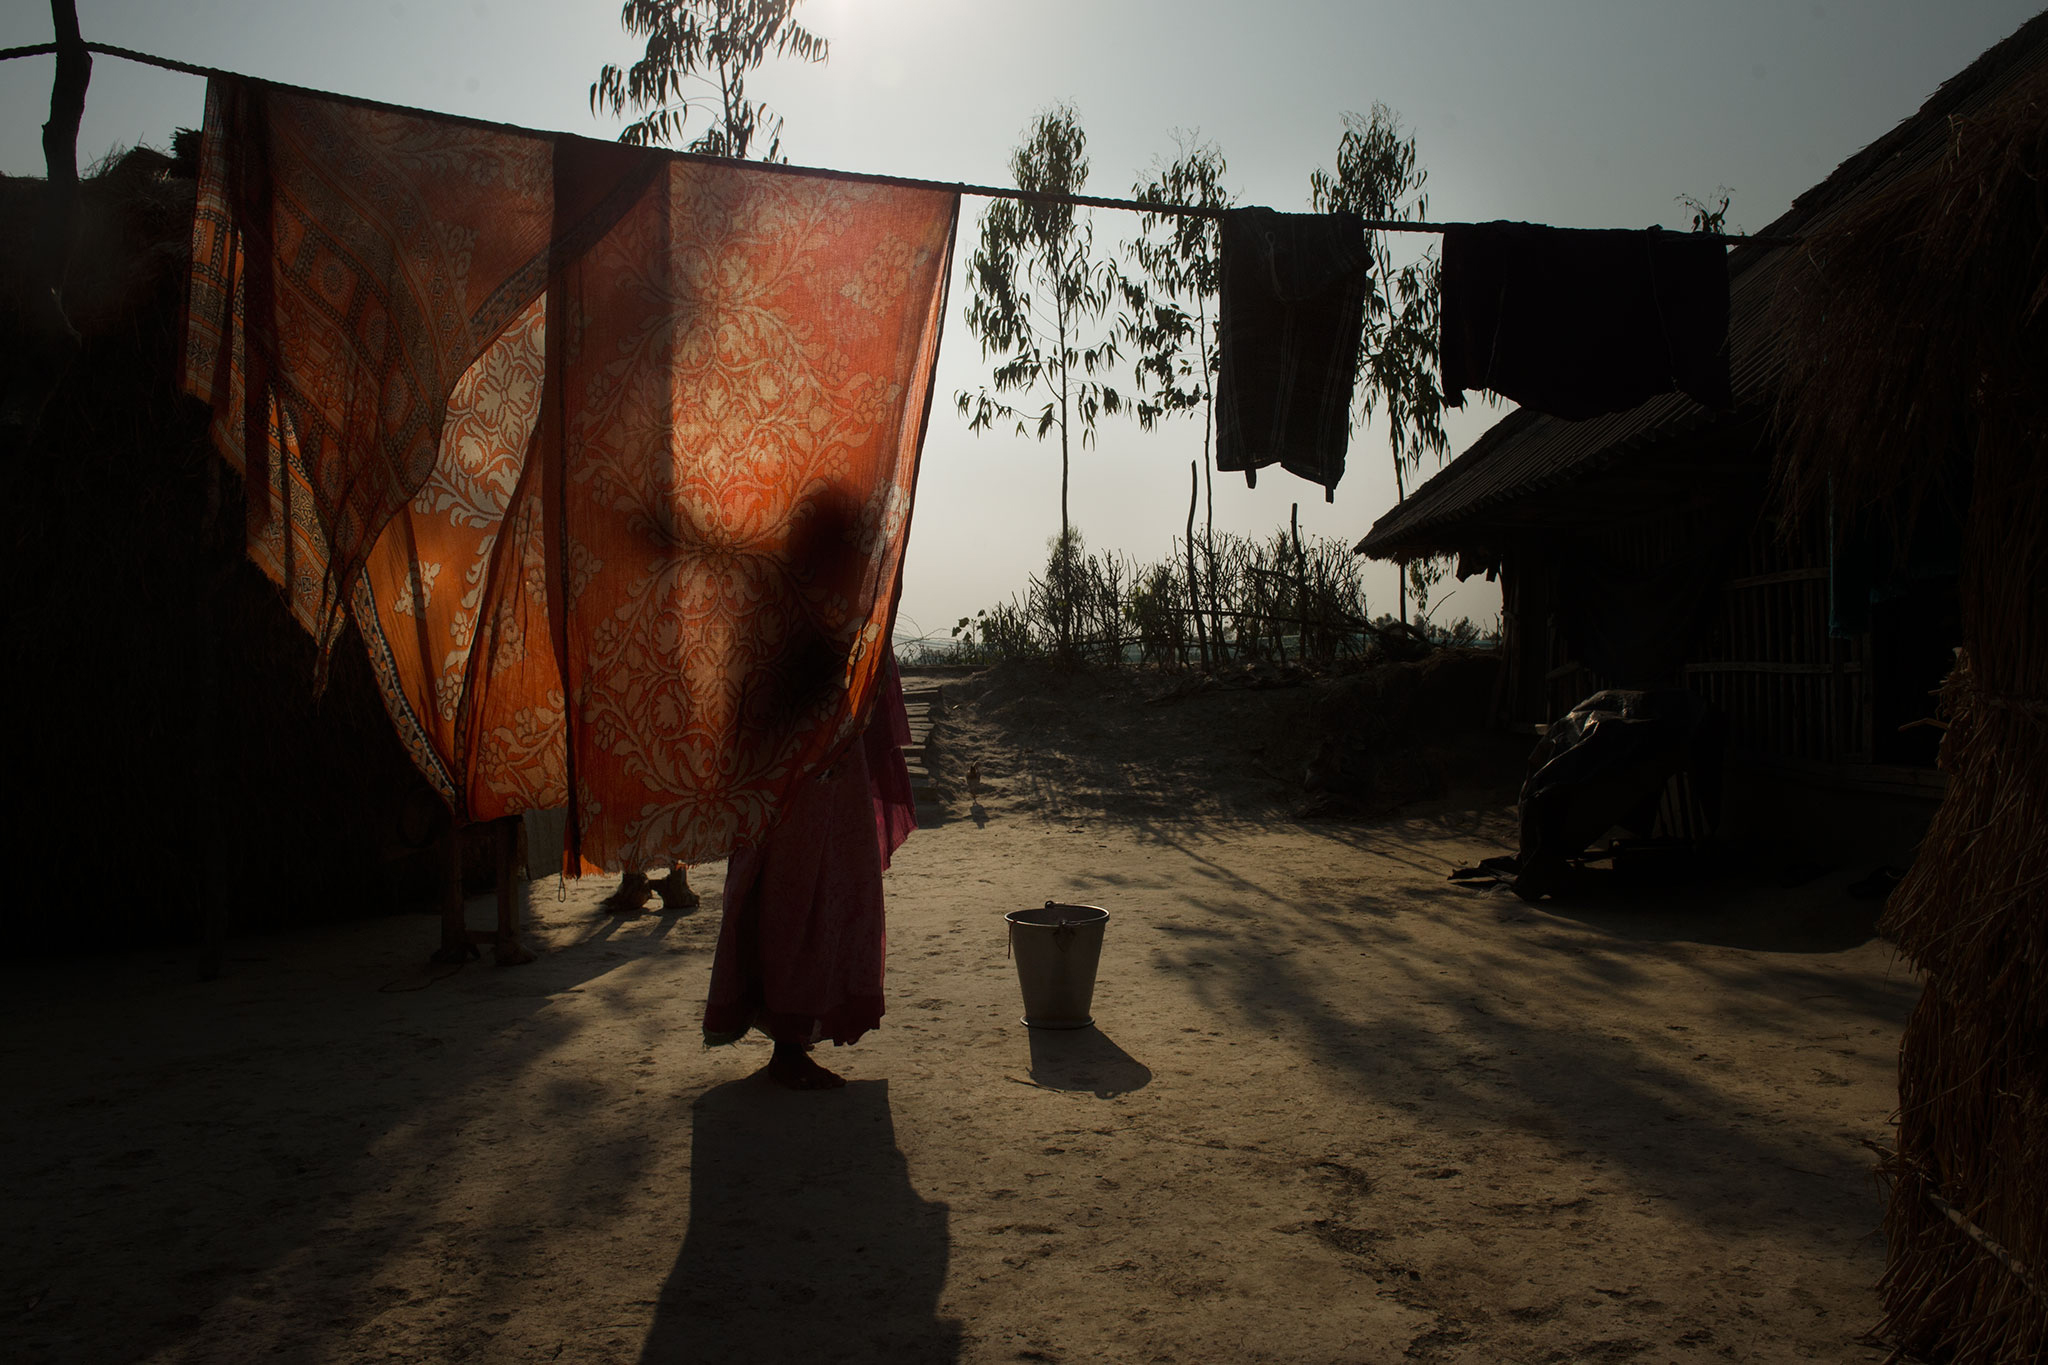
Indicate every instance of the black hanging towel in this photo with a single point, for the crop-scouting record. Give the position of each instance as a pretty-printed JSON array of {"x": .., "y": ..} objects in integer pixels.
[
  {"x": 1293, "y": 298},
  {"x": 1577, "y": 322}
]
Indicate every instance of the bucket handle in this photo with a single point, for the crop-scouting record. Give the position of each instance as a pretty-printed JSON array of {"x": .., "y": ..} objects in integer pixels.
[{"x": 1062, "y": 934}]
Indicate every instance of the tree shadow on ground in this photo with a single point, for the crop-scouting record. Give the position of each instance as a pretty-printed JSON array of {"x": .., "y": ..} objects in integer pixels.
[
  {"x": 138, "y": 1107},
  {"x": 1734, "y": 898},
  {"x": 1490, "y": 1039},
  {"x": 806, "y": 1241},
  {"x": 1732, "y": 910}
]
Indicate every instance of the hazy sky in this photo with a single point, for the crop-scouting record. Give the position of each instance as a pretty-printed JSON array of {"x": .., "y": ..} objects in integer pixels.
[{"x": 1589, "y": 114}]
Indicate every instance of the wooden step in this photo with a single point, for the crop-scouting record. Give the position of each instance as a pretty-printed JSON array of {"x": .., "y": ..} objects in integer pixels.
[{"x": 922, "y": 706}]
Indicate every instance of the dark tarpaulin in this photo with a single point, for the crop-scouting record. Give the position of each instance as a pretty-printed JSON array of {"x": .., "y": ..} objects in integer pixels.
[
  {"x": 1605, "y": 764},
  {"x": 1577, "y": 322}
]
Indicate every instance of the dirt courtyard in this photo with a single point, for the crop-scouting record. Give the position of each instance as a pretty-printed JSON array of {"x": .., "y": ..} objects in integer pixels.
[{"x": 1337, "y": 1109}]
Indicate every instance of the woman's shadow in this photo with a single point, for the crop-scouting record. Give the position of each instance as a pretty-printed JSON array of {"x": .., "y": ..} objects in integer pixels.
[{"x": 806, "y": 1241}]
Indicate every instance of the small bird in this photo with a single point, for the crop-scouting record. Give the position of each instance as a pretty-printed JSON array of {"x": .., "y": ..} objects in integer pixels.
[{"x": 974, "y": 780}]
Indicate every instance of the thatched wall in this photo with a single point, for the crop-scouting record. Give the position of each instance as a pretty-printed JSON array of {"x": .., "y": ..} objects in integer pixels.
[
  {"x": 163, "y": 733},
  {"x": 1918, "y": 370}
]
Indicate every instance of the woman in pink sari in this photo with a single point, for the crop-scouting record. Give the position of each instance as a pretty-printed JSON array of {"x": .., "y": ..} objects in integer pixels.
[{"x": 801, "y": 949}]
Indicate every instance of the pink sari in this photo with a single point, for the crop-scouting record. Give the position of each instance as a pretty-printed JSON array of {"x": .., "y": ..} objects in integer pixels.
[{"x": 800, "y": 954}]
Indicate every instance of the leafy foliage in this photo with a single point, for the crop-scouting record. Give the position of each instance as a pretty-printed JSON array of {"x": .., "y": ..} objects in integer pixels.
[
  {"x": 1708, "y": 216},
  {"x": 1423, "y": 575},
  {"x": 697, "y": 59},
  {"x": 1037, "y": 291},
  {"x": 1379, "y": 178},
  {"x": 1169, "y": 318}
]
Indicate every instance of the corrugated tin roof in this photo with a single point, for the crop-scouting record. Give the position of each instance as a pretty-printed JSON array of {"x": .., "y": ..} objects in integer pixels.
[{"x": 1527, "y": 452}]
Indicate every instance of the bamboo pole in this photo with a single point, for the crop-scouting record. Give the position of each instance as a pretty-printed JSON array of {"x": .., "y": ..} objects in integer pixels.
[
  {"x": 1194, "y": 583},
  {"x": 1300, "y": 579}
]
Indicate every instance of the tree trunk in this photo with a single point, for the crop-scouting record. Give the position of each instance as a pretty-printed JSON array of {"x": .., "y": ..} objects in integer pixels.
[
  {"x": 59, "y": 226},
  {"x": 1063, "y": 434},
  {"x": 1400, "y": 569},
  {"x": 1209, "y": 475},
  {"x": 1063, "y": 601},
  {"x": 52, "y": 342},
  {"x": 1065, "y": 525}
]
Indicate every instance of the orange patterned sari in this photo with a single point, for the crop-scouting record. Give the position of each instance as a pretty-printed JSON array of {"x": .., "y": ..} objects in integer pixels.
[{"x": 608, "y": 453}]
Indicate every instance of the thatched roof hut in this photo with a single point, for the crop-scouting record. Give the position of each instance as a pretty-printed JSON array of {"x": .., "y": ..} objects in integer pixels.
[
  {"x": 1917, "y": 370},
  {"x": 1651, "y": 548},
  {"x": 166, "y": 745},
  {"x": 1891, "y": 377},
  {"x": 1530, "y": 472}
]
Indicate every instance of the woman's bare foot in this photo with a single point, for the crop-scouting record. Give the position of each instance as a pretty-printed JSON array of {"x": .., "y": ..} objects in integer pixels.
[
  {"x": 675, "y": 892},
  {"x": 631, "y": 897},
  {"x": 792, "y": 1066},
  {"x": 510, "y": 952}
]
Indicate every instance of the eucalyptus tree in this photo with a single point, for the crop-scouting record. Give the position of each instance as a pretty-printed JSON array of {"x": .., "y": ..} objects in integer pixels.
[
  {"x": 696, "y": 63},
  {"x": 1170, "y": 318},
  {"x": 1379, "y": 178},
  {"x": 1038, "y": 296},
  {"x": 1169, "y": 315}
]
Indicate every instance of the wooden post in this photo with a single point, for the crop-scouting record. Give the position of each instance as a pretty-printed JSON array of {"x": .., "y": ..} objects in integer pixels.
[
  {"x": 1836, "y": 748},
  {"x": 507, "y": 950},
  {"x": 1809, "y": 653},
  {"x": 455, "y": 943},
  {"x": 459, "y": 942},
  {"x": 210, "y": 779},
  {"x": 1770, "y": 688}
]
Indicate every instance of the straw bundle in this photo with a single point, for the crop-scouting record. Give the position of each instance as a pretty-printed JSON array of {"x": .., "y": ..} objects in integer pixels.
[{"x": 1917, "y": 367}]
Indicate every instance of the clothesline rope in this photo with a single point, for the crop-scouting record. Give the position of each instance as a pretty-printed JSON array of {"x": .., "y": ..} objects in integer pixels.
[{"x": 820, "y": 172}]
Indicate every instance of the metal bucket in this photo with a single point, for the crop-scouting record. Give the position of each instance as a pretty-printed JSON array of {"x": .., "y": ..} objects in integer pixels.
[{"x": 1057, "y": 949}]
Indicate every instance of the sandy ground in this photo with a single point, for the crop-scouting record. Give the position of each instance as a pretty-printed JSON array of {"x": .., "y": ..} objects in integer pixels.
[{"x": 1337, "y": 1109}]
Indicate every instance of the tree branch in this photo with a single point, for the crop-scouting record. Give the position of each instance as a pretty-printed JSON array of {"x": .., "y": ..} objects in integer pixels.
[{"x": 55, "y": 341}]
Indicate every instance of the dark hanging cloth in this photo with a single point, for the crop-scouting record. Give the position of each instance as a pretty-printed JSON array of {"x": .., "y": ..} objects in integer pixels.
[
  {"x": 1293, "y": 298},
  {"x": 1577, "y": 323}
]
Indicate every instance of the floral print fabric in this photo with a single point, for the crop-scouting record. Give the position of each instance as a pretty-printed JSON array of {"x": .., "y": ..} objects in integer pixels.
[
  {"x": 609, "y": 453},
  {"x": 349, "y": 264}
]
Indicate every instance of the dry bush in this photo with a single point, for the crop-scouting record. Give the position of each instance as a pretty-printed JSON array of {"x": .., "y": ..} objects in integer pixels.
[{"x": 1275, "y": 599}]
